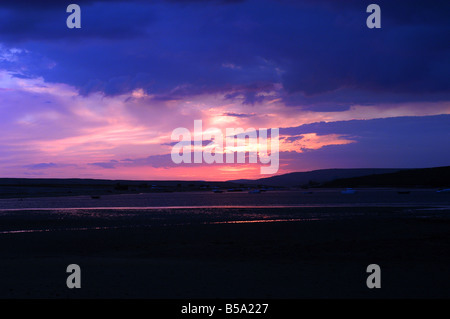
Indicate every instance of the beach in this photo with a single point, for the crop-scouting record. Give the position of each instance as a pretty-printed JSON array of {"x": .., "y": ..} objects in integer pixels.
[{"x": 306, "y": 252}]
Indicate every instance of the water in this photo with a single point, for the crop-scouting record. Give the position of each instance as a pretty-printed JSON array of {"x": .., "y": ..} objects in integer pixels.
[
  {"x": 168, "y": 209},
  {"x": 330, "y": 197}
]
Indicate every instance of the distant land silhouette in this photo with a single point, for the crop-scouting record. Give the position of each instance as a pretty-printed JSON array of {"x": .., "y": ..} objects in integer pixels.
[
  {"x": 382, "y": 177},
  {"x": 437, "y": 177},
  {"x": 316, "y": 177},
  {"x": 34, "y": 187},
  {"x": 425, "y": 177}
]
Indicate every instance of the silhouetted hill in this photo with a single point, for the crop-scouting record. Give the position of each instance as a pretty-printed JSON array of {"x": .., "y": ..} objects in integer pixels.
[
  {"x": 424, "y": 177},
  {"x": 315, "y": 178},
  {"x": 32, "y": 187}
]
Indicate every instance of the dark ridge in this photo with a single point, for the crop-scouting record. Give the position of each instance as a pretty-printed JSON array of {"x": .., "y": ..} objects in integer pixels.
[{"x": 424, "y": 177}]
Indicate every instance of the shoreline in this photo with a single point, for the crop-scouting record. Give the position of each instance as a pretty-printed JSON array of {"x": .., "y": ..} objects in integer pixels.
[{"x": 5, "y": 194}]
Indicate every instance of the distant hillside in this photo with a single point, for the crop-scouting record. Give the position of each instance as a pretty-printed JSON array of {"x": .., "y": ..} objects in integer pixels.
[
  {"x": 34, "y": 187},
  {"x": 315, "y": 178},
  {"x": 424, "y": 177}
]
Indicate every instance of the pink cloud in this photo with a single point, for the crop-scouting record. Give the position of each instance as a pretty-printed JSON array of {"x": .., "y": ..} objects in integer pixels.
[{"x": 52, "y": 123}]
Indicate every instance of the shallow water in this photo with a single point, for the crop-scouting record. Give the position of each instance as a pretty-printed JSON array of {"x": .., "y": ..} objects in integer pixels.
[
  {"x": 321, "y": 197},
  {"x": 169, "y": 209}
]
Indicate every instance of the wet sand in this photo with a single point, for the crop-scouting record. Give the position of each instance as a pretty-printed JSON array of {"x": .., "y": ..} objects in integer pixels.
[{"x": 296, "y": 259}]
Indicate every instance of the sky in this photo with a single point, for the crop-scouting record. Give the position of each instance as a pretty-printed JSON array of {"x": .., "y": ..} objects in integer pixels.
[{"x": 102, "y": 101}]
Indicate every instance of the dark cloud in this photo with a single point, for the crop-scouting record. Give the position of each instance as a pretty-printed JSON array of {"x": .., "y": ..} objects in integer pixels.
[
  {"x": 251, "y": 94},
  {"x": 391, "y": 142},
  {"x": 321, "y": 51},
  {"x": 118, "y": 20},
  {"x": 41, "y": 166},
  {"x": 291, "y": 139},
  {"x": 61, "y": 4},
  {"x": 381, "y": 127},
  {"x": 157, "y": 161},
  {"x": 398, "y": 12},
  {"x": 343, "y": 98},
  {"x": 241, "y": 115},
  {"x": 44, "y": 166},
  {"x": 43, "y": 5},
  {"x": 404, "y": 59},
  {"x": 108, "y": 165}
]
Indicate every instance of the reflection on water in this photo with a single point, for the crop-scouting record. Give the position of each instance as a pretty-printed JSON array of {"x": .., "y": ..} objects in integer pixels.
[
  {"x": 209, "y": 199},
  {"x": 140, "y": 226},
  {"x": 264, "y": 221},
  {"x": 48, "y": 230},
  {"x": 82, "y": 213}
]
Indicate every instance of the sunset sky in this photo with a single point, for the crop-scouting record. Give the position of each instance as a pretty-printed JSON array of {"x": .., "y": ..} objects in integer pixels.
[{"x": 102, "y": 101}]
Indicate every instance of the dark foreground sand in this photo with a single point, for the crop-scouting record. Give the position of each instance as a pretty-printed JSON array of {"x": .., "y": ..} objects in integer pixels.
[{"x": 307, "y": 259}]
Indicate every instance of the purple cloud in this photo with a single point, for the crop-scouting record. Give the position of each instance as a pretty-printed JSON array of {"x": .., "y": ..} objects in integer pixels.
[
  {"x": 409, "y": 142},
  {"x": 108, "y": 165},
  {"x": 45, "y": 166},
  {"x": 321, "y": 52}
]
